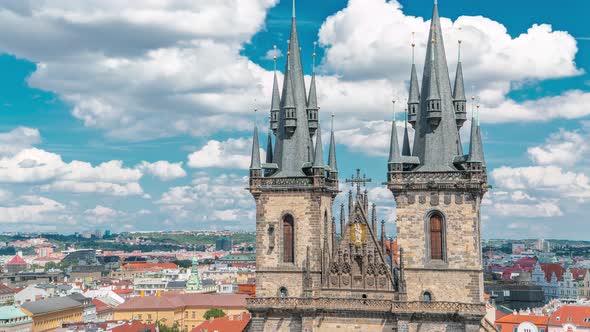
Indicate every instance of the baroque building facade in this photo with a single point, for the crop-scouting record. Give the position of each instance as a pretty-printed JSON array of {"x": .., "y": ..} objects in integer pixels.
[{"x": 312, "y": 275}]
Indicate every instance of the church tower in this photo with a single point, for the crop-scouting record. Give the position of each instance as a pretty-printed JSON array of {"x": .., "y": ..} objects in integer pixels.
[
  {"x": 294, "y": 191},
  {"x": 438, "y": 190}
]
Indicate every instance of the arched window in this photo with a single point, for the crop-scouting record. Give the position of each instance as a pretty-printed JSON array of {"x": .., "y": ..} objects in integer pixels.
[
  {"x": 427, "y": 297},
  {"x": 436, "y": 237},
  {"x": 288, "y": 239}
]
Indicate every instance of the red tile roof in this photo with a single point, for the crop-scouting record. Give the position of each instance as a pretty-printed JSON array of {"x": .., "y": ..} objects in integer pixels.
[
  {"x": 571, "y": 314},
  {"x": 16, "y": 260},
  {"x": 550, "y": 268},
  {"x": 233, "y": 323},
  {"x": 184, "y": 300},
  {"x": 6, "y": 290},
  {"x": 517, "y": 319},
  {"x": 101, "y": 306},
  {"x": 578, "y": 274}
]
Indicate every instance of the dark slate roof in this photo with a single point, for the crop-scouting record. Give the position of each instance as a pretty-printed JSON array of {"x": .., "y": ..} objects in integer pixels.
[
  {"x": 394, "y": 155},
  {"x": 406, "y": 142},
  {"x": 332, "y": 153},
  {"x": 475, "y": 145},
  {"x": 255, "y": 160},
  {"x": 436, "y": 149},
  {"x": 177, "y": 284},
  {"x": 414, "y": 89},
  {"x": 269, "y": 147},
  {"x": 292, "y": 151},
  {"x": 312, "y": 101},
  {"x": 51, "y": 305},
  {"x": 276, "y": 98},
  {"x": 318, "y": 161},
  {"x": 459, "y": 90}
]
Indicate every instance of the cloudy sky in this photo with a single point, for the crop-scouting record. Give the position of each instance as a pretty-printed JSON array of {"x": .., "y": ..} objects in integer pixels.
[{"x": 129, "y": 115}]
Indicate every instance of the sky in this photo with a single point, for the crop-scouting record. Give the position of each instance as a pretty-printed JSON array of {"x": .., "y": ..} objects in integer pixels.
[{"x": 131, "y": 117}]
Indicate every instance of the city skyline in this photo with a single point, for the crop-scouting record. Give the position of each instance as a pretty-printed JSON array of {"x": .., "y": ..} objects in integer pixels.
[{"x": 112, "y": 129}]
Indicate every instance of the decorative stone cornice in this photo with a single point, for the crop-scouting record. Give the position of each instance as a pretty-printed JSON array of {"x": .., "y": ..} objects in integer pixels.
[
  {"x": 470, "y": 181},
  {"x": 259, "y": 184},
  {"x": 364, "y": 305}
]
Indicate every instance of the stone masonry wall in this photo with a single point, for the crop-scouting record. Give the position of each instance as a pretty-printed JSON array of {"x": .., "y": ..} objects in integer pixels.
[
  {"x": 307, "y": 209},
  {"x": 459, "y": 277}
]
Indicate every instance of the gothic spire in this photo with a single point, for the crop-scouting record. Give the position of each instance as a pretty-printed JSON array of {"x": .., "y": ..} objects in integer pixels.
[
  {"x": 374, "y": 218},
  {"x": 312, "y": 100},
  {"x": 406, "y": 142},
  {"x": 255, "y": 160},
  {"x": 318, "y": 161},
  {"x": 394, "y": 154},
  {"x": 475, "y": 144},
  {"x": 332, "y": 152},
  {"x": 459, "y": 99},
  {"x": 269, "y": 148},
  {"x": 275, "y": 105},
  {"x": 342, "y": 220},
  {"x": 293, "y": 143},
  {"x": 414, "y": 97},
  {"x": 435, "y": 141}
]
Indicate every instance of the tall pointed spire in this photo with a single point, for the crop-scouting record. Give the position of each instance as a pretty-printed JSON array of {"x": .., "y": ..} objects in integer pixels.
[
  {"x": 414, "y": 97},
  {"x": 332, "y": 152},
  {"x": 476, "y": 155},
  {"x": 394, "y": 154},
  {"x": 275, "y": 105},
  {"x": 318, "y": 161},
  {"x": 269, "y": 148},
  {"x": 435, "y": 140},
  {"x": 406, "y": 142},
  {"x": 255, "y": 159},
  {"x": 312, "y": 100},
  {"x": 374, "y": 218},
  {"x": 293, "y": 139},
  {"x": 459, "y": 99}
]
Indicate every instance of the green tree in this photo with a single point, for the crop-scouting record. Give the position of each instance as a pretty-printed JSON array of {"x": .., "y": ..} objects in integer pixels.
[{"x": 214, "y": 313}]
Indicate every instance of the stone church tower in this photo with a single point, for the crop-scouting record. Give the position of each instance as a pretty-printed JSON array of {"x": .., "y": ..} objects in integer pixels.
[{"x": 314, "y": 276}]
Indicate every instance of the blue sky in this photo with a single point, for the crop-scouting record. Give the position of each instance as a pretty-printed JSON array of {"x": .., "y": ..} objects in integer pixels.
[{"x": 134, "y": 117}]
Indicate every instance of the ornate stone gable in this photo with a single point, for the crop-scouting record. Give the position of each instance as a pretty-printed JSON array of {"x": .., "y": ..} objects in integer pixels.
[{"x": 358, "y": 262}]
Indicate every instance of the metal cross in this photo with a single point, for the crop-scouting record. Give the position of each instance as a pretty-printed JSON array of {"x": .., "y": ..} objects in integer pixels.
[{"x": 358, "y": 180}]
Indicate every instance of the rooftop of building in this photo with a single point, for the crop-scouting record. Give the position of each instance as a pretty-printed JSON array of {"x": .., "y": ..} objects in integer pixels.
[
  {"x": 578, "y": 315},
  {"x": 519, "y": 318},
  {"x": 50, "y": 305},
  {"x": 197, "y": 300},
  {"x": 11, "y": 312},
  {"x": 238, "y": 257},
  {"x": 232, "y": 323},
  {"x": 16, "y": 260}
]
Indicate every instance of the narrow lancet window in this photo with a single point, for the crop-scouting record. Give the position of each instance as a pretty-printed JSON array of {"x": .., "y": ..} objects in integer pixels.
[
  {"x": 436, "y": 237},
  {"x": 288, "y": 239}
]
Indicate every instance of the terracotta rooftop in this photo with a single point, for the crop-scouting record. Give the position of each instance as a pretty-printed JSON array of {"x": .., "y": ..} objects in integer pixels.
[
  {"x": 16, "y": 260},
  {"x": 550, "y": 268},
  {"x": 6, "y": 290},
  {"x": 517, "y": 319},
  {"x": 184, "y": 300},
  {"x": 101, "y": 306},
  {"x": 571, "y": 314},
  {"x": 233, "y": 323}
]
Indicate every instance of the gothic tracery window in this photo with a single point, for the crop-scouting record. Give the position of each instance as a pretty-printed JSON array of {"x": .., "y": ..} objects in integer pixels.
[
  {"x": 288, "y": 239},
  {"x": 436, "y": 237}
]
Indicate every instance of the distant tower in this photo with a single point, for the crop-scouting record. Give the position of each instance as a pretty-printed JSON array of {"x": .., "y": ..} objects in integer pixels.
[
  {"x": 193, "y": 285},
  {"x": 438, "y": 190}
]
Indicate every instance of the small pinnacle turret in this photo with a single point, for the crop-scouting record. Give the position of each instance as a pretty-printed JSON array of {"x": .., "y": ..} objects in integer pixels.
[
  {"x": 395, "y": 160},
  {"x": 312, "y": 100},
  {"x": 275, "y": 105},
  {"x": 332, "y": 152},
  {"x": 406, "y": 142},
  {"x": 255, "y": 159},
  {"x": 475, "y": 159},
  {"x": 318, "y": 162},
  {"x": 459, "y": 100}
]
